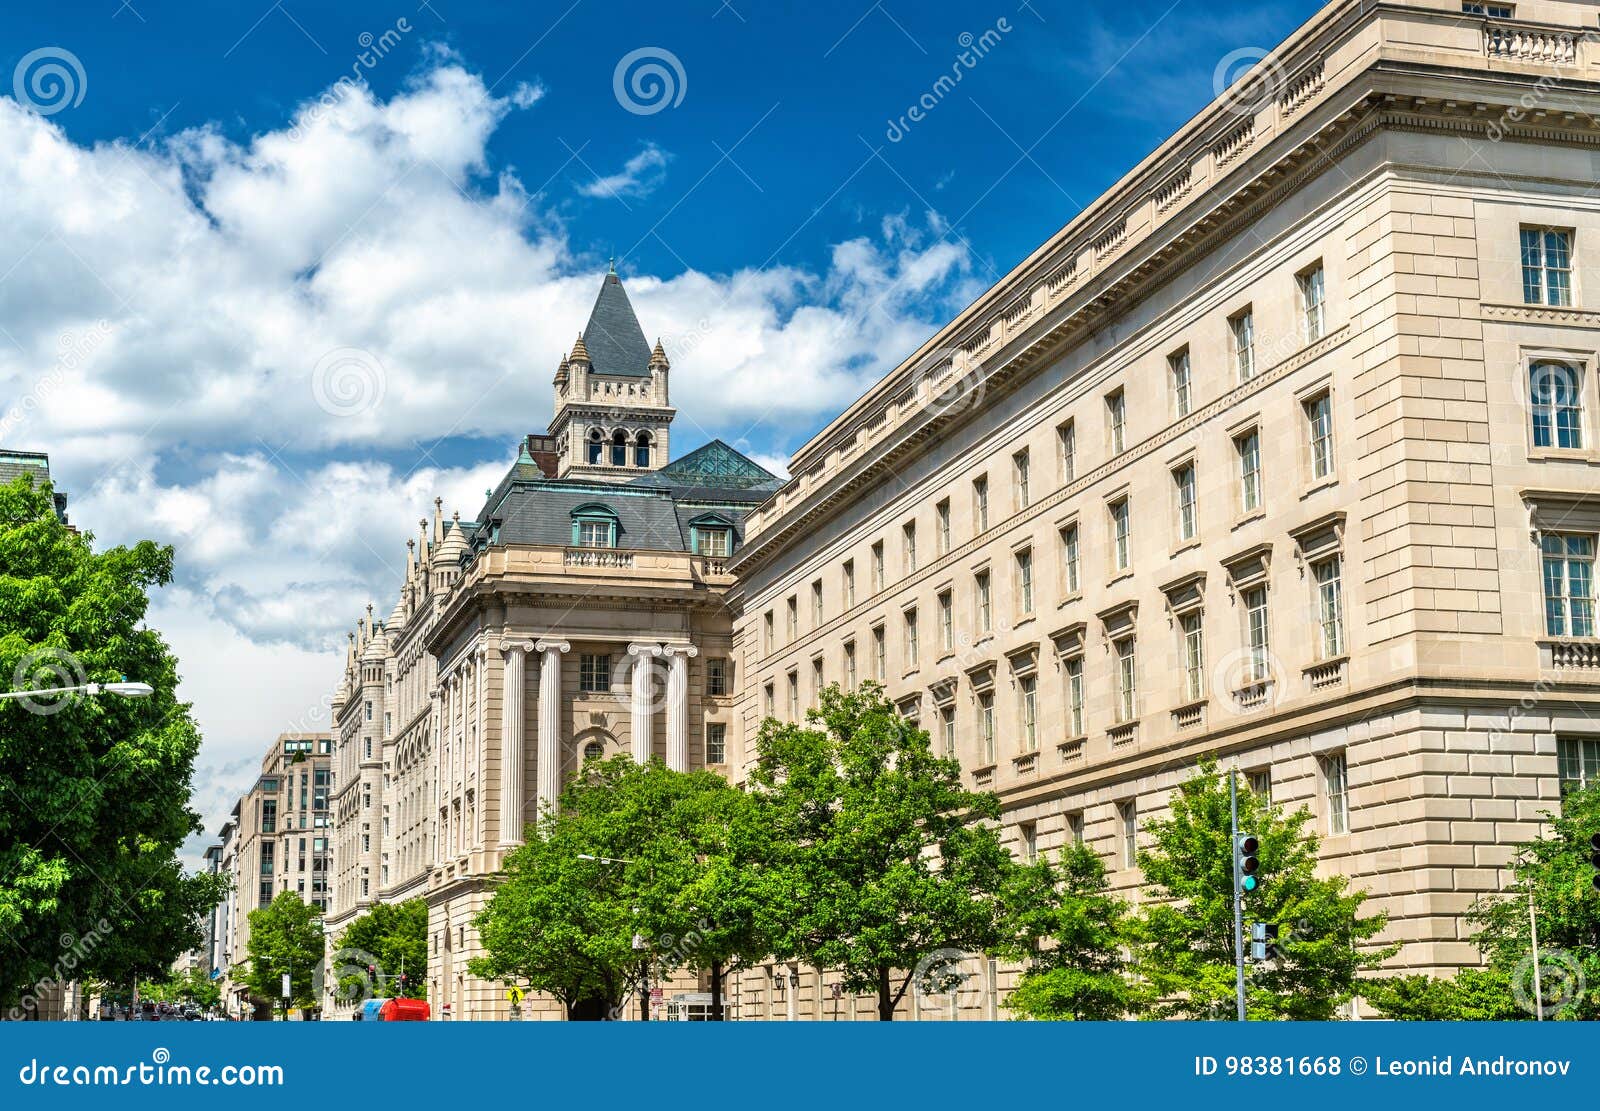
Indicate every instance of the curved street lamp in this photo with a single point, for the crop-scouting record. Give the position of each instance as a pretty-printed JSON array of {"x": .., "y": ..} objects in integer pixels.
[{"x": 124, "y": 688}]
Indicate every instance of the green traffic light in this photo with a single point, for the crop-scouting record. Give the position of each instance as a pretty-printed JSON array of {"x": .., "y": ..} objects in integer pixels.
[{"x": 1248, "y": 883}]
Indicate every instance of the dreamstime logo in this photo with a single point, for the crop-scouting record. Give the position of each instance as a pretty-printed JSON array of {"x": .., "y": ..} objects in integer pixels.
[
  {"x": 658, "y": 661},
  {"x": 949, "y": 380},
  {"x": 48, "y": 669},
  {"x": 73, "y": 350},
  {"x": 1560, "y": 982},
  {"x": 1248, "y": 79},
  {"x": 941, "y": 982},
  {"x": 374, "y": 48},
  {"x": 649, "y": 80},
  {"x": 348, "y": 381},
  {"x": 974, "y": 48},
  {"x": 1248, "y": 681},
  {"x": 75, "y": 950},
  {"x": 49, "y": 79}
]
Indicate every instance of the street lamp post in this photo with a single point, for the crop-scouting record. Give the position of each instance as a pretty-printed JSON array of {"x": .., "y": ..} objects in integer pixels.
[{"x": 124, "y": 688}]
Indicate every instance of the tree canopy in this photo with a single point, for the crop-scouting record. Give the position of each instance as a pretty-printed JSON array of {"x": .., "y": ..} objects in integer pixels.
[
  {"x": 285, "y": 937},
  {"x": 395, "y": 937}
]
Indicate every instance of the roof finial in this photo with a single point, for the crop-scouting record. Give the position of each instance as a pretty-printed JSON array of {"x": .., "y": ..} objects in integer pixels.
[{"x": 613, "y": 265}]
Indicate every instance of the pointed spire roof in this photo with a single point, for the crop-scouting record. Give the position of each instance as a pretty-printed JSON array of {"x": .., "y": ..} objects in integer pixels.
[
  {"x": 613, "y": 339},
  {"x": 658, "y": 357},
  {"x": 580, "y": 353}
]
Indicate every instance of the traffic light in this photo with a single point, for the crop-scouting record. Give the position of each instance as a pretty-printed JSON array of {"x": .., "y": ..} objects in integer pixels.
[
  {"x": 1264, "y": 941},
  {"x": 1245, "y": 862},
  {"x": 1594, "y": 860}
]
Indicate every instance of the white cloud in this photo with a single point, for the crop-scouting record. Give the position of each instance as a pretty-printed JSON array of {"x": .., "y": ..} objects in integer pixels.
[{"x": 638, "y": 177}]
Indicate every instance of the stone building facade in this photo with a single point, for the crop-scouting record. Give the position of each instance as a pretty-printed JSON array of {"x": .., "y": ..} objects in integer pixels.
[{"x": 1283, "y": 451}]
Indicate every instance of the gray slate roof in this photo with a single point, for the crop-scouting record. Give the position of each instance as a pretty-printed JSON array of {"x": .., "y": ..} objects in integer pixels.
[{"x": 615, "y": 341}]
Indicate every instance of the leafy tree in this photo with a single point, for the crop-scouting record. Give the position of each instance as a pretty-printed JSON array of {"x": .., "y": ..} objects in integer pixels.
[
  {"x": 395, "y": 935},
  {"x": 1071, "y": 933},
  {"x": 1185, "y": 936},
  {"x": 285, "y": 937},
  {"x": 94, "y": 791},
  {"x": 1475, "y": 995},
  {"x": 881, "y": 857},
  {"x": 190, "y": 986},
  {"x": 609, "y": 882}
]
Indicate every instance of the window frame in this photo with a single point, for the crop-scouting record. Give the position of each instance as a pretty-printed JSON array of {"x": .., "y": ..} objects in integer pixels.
[
  {"x": 1180, "y": 379},
  {"x": 1311, "y": 286},
  {"x": 1242, "y": 343},
  {"x": 1563, "y": 601},
  {"x": 1561, "y": 294}
]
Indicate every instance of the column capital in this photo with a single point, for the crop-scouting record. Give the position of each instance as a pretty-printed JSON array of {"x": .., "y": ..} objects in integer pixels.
[
  {"x": 516, "y": 644},
  {"x": 688, "y": 650},
  {"x": 642, "y": 650},
  {"x": 551, "y": 644}
]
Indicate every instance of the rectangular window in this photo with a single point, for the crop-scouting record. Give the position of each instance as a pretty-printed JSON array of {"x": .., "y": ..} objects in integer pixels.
[
  {"x": 985, "y": 603},
  {"x": 947, "y": 731},
  {"x": 947, "y": 630},
  {"x": 1257, "y": 646},
  {"x": 1075, "y": 827},
  {"x": 908, "y": 545},
  {"x": 941, "y": 516},
  {"x": 980, "y": 504},
  {"x": 1260, "y": 784},
  {"x": 1313, "y": 303},
  {"x": 1330, "y": 605},
  {"x": 793, "y": 610},
  {"x": 594, "y": 673},
  {"x": 849, "y": 583},
  {"x": 1194, "y": 656},
  {"x": 986, "y": 725},
  {"x": 1069, "y": 558},
  {"x": 1568, "y": 584},
  {"x": 816, "y": 680},
  {"x": 716, "y": 676},
  {"x": 1578, "y": 762},
  {"x": 1028, "y": 689},
  {"x": 877, "y": 567},
  {"x": 1117, "y": 421},
  {"x": 1128, "y": 816},
  {"x": 1335, "y": 792},
  {"x": 1319, "y": 431},
  {"x": 1121, "y": 550},
  {"x": 1127, "y": 680},
  {"x": 769, "y": 701},
  {"x": 1492, "y": 11},
  {"x": 1242, "y": 332},
  {"x": 1248, "y": 450},
  {"x": 794, "y": 696},
  {"x": 1182, "y": 384},
  {"x": 1555, "y": 401},
  {"x": 1547, "y": 266},
  {"x": 1020, "y": 480},
  {"x": 912, "y": 644},
  {"x": 1067, "y": 446},
  {"x": 714, "y": 541},
  {"x": 594, "y": 534},
  {"x": 880, "y": 654},
  {"x": 1028, "y": 835},
  {"x": 1075, "y": 726},
  {"x": 850, "y": 665},
  {"x": 1025, "y": 581},
  {"x": 766, "y": 631},
  {"x": 269, "y": 815},
  {"x": 1183, "y": 484}
]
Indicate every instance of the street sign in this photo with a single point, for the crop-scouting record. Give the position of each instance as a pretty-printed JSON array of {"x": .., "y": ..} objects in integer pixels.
[
  {"x": 655, "y": 995},
  {"x": 287, "y": 991},
  {"x": 514, "y": 994}
]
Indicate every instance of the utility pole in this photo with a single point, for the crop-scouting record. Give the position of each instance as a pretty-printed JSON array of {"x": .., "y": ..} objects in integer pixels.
[
  {"x": 1238, "y": 894},
  {"x": 1538, "y": 988}
]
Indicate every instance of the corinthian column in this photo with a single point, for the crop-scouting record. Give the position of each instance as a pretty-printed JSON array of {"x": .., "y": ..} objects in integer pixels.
[
  {"x": 549, "y": 756},
  {"x": 678, "y": 705},
  {"x": 512, "y": 750},
  {"x": 643, "y": 664}
]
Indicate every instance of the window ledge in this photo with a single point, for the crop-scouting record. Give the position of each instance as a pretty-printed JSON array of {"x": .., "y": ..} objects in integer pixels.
[
  {"x": 1319, "y": 485},
  {"x": 1119, "y": 577},
  {"x": 1075, "y": 596},
  {"x": 1025, "y": 619},
  {"x": 1185, "y": 546},
  {"x": 1249, "y": 518},
  {"x": 1563, "y": 455}
]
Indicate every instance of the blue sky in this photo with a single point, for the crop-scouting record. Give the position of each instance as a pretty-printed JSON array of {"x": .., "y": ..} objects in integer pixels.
[{"x": 268, "y": 318}]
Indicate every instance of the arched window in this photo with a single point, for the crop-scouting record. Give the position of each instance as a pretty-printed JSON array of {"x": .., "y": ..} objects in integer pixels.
[
  {"x": 641, "y": 450},
  {"x": 619, "y": 448},
  {"x": 595, "y": 446},
  {"x": 1554, "y": 390},
  {"x": 594, "y": 526}
]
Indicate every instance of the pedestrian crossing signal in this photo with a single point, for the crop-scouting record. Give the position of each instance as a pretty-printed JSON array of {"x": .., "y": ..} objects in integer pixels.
[{"x": 1264, "y": 941}]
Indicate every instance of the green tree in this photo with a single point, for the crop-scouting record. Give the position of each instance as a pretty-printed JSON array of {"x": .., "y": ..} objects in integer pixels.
[
  {"x": 193, "y": 985},
  {"x": 395, "y": 936},
  {"x": 94, "y": 791},
  {"x": 881, "y": 857},
  {"x": 1474, "y": 995},
  {"x": 1071, "y": 933},
  {"x": 285, "y": 937},
  {"x": 1185, "y": 934}
]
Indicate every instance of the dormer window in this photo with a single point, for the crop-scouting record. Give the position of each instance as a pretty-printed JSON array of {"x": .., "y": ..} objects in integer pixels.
[
  {"x": 594, "y": 526},
  {"x": 711, "y": 535},
  {"x": 714, "y": 542}
]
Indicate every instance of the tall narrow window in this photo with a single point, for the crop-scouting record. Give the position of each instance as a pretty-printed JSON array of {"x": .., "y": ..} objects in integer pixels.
[
  {"x": 1121, "y": 552},
  {"x": 717, "y": 684},
  {"x": 908, "y": 542},
  {"x": 716, "y": 743},
  {"x": 1127, "y": 680},
  {"x": 1117, "y": 420},
  {"x": 877, "y": 566},
  {"x": 1260, "y": 784},
  {"x": 816, "y": 604},
  {"x": 1248, "y": 450},
  {"x": 641, "y": 450},
  {"x": 849, "y": 665},
  {"x": 986, "y": 725},
  {"x": 947, "y": 632},
  {"x": 1128, "y": 815},
  {"x": 880, "y": 654},
  {"x": 793, "y": 611},
  {"x": 849, "y": 583},
  {"x": 1069, "y": 558},
  {"x": 1067, "y": 446},
  {"x": 1257, "y": 646},
  {"x": 1242, "y": 331},
  {"x": 619, "y": 448},
  {"x": 1568, "y": 584},
  {"x": 1182, "y": 386},
  {"x": 816, "y": 680},
  {"x": 794, "y": 696},
  {"x": 769, "y": 702},
  {"x": 1546, "y": 266},
  {"x": 1020, "y": 479},
  {"x": 941, "y": 517},
  {"x": 1028, "y": 835},
  {"x": 1075, "y": 827},
  {"x": 985, "y": 603},
  {"x": 766, "y": 632},
  {"x": 1313, "y": 303},
  {"x": 1075, "y": 724},
  {"x": 1336, "y": 792},
  {"x": 1183, "y": 483},
  {"x": 1025, "y": 581},
  {"x": 912, "y": 643},
  {"x": 1556, "y": 402},
  {"x": 1319, "y": 430},
  {"x": 980, "y": 503},
  {"x": 1330, "y": 606},
  {"x": 947, "y": 731},
  {"x": 1028, "y": 689},
  {"x": 1194, "y": 656}
]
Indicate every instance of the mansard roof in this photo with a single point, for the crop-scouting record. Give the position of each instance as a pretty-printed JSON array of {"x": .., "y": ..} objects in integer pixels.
[
  {"x": 715, "y": 465},
  {"x": 614, "y": 340}
]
